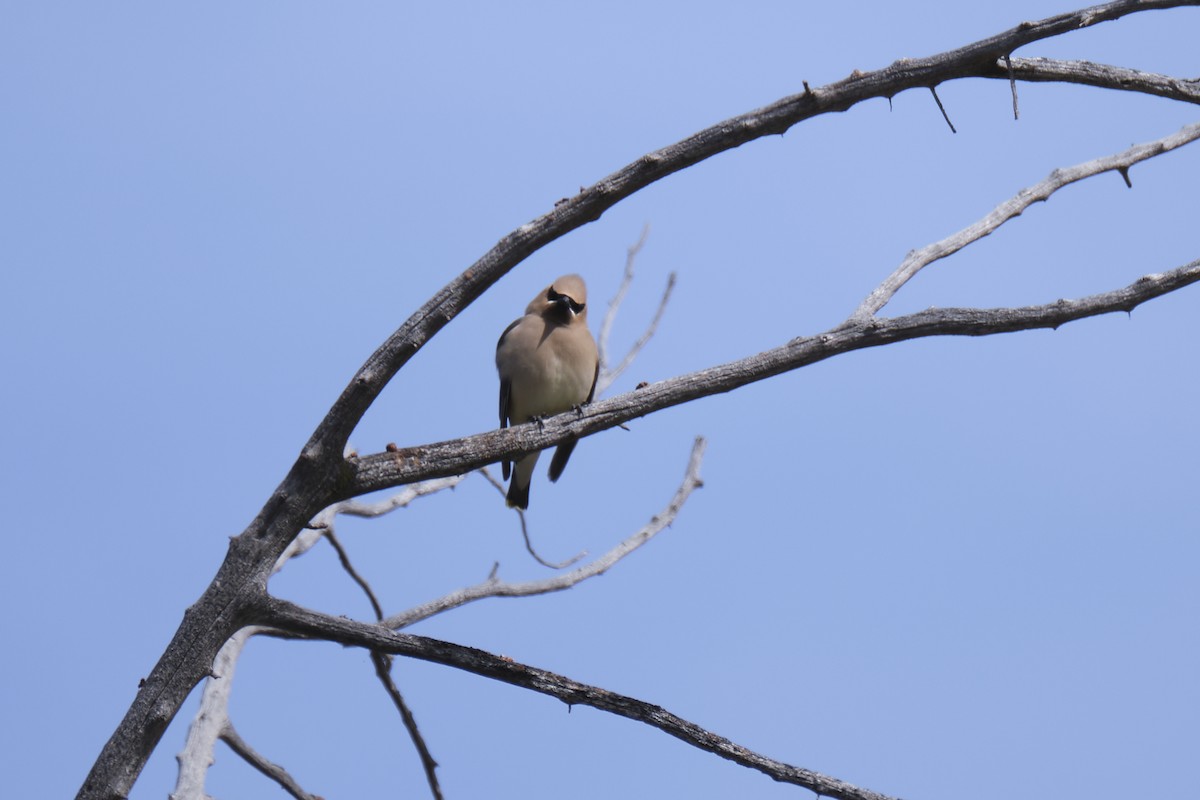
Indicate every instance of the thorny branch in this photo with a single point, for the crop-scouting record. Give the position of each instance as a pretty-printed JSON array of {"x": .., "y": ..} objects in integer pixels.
[
  {"x": 1014, "y": 207},
  {"x": 321, "y": 476},
  {"x": 471, "y": 452}
]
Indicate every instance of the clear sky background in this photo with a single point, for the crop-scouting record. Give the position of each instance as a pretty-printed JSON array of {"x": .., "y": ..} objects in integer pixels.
[{"x": 951, "y": 568}]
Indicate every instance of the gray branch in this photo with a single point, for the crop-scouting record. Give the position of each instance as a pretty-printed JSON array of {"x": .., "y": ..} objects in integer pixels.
[
  {"x": 381, "y": 471},
  {"x": 1100, "y": 76},
  {"x": 303, "y": 622},
  {"x": 529, "y": 548},
  {"x": 230, "y": 736},
  {"x": 494, "y": 587},
  {"x": 614, "y": 305},
  {"x": 609, "y": 374},
  {"x": 1014, "y": 207}
]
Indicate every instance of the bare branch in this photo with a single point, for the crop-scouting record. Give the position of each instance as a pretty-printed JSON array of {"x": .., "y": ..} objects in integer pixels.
[
  {"x": 419, "y": 463},
  {"x": 210, "y": 721},
  {"x": 344, "y": 559},
  {"x": 525, "y": 529},
  {"x": 607, "y": 377},
  {"x": 383, "y": 669},
  {"x": 971, "y": 60},
  {"x": 213, "y": 714},
  {"x": 323, "y": 521},
  {"x": 269, "y": 768},
  {"x": 614, "y": 305},
  {"x": 382, "y": 661},
  {"x": 302, "y": 621},
  {"x": 1013, "y": 207},
  {"x": 1101, "y": 76},
  {"x": 494, "y": 587}
]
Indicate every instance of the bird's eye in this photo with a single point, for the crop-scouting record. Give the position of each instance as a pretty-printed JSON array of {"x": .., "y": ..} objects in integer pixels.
[
  {"x": 552, "y": 295},
  {"x": 576, "y": 307}
]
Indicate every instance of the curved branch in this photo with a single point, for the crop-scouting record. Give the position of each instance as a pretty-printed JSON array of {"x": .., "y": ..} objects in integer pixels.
[
  {"x": 303, "y": 622},
  {"x": 608, "y": 376},
  {"x": 1100, "y": 76},
  {"x": 231, "y": 737},
  {"x": 614, "y": 305},
  {"x": 494, "y": 587},
  {"x": 383, "y": 670},
  {"x": 915, "y": 261},
  {"x": 211, "y": 720},
  {"x": 529, "y": 548},
  {"x": 972, "y": 60}
]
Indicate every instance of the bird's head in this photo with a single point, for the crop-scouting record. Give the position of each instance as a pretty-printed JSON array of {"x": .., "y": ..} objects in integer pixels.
[{"x": 563, "y": 301}]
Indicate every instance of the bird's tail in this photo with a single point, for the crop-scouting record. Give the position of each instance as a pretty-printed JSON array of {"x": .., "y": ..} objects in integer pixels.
[{"x": 522, "y": 476}]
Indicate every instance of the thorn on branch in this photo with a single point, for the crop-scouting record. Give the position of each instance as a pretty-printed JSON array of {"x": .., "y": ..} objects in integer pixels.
[
  {"x": 942, "y": 108},
  {"x": 1125, "y": 174},
  {"x": 1012, "y": 85}
]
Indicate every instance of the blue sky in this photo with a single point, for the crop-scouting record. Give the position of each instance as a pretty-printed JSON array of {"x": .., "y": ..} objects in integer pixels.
[{"x": 941, "y": 569}]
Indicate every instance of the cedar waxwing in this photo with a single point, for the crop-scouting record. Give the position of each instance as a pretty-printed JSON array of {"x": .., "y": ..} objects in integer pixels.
[{"x": 548, "y": 364}]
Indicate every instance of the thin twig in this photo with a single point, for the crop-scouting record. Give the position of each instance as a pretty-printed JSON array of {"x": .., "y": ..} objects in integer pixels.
[
  {"x": 357, "y": 508},
  {"x": 525, "y": 530},
  {"x": 383, "y": 669},
  {"x": 607, "y": 377},
  {"x": 915, "y": 261},
  {"x": 344, "y": 558},
  {"x": 383, "y": 663},
  {"x": 494, "y": 587},
  {"x": 614, "y": 305},
  {"x": 255, "y": 759}
]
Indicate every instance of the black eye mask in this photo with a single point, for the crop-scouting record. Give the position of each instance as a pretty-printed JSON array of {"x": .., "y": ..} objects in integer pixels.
[{"x": 555, "y": 297}]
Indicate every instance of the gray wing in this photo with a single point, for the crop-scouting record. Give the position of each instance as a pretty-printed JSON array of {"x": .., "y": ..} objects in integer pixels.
[{"x": 505, "y": 400}]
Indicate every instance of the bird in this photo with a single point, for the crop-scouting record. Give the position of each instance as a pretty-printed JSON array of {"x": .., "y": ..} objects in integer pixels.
[{"x": 548, "y": 364}]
